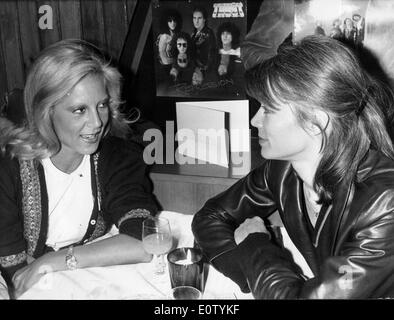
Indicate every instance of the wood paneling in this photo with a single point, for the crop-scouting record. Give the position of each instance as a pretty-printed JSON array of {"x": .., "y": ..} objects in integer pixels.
[
  {"x": 93, "y": 29},
  {"x": 3, "y": 75},
  {"x": 10, "y": 38},
  {"x": 28, "y": 28},
  {"x": 131, "y": 5},
  {"x": 70, "y": 19},
  {"x": 103, "y": 22}
]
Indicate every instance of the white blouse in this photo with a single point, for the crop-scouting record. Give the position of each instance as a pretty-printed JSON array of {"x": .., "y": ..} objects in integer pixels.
[{"x": 70, "y": 203}]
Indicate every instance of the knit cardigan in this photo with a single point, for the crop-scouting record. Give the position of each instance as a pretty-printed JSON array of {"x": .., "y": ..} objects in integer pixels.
[{"x": 120, "y": 187}]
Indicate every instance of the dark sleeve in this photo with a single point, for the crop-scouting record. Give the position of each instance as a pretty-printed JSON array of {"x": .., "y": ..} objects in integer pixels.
[
  {"x": 362, "y": 268},
  {"x": 273, "y": 24},
  {"x": 214, "y": 225},
  {"x": 128, "y": 197},
  {"x": 12, "y": 243}
]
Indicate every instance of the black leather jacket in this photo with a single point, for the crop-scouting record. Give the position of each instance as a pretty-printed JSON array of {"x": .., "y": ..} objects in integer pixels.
[{"x": 350, "y": 250}]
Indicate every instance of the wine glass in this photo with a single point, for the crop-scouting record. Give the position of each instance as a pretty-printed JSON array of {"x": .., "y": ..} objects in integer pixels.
[{"x": 157, "y": 240}]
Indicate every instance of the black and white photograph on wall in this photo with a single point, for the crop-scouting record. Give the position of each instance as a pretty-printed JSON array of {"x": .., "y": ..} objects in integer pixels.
[
  {"x": 365, "y": 25},
  {"x": 343, "y": 20},
  {"x": 197, "y": 48}
]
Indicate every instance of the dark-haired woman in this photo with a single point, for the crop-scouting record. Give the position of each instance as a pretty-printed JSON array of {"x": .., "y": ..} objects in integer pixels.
[
  {"x": 229, "y": 49},
  {"x": 329, "y": 172},
  {"x": 171, "y": 24}
]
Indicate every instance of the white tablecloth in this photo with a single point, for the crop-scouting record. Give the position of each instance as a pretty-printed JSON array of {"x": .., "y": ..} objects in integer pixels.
[
  {"x": 3, "y": 289},
  {"x": 135, "y": 281}
]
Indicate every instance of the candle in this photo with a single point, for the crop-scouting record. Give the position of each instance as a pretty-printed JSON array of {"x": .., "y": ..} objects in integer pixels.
[{"x": 184, "y": 262}]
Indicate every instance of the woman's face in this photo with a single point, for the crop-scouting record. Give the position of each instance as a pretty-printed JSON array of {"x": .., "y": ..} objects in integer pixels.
[
  {"x": 181, "y": 44},
  {"x": 80, "y": 119},
  {"x": 171, "y": 24},
  {"x": 281, "y": 136},
  {"x": 227, "y": 38}
]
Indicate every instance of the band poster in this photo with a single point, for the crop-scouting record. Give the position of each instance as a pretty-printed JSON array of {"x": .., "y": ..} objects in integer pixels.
[
  {"x": 197, "y": 48},
  {"x": 366, "y": 25}
]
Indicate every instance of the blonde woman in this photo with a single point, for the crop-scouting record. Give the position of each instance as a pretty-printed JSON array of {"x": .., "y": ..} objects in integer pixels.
[{"x": 69, "y": 174}]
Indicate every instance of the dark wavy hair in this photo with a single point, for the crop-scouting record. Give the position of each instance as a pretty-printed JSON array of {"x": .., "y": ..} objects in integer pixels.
[
  {"x": 233, "y": 29},
  {"x": 322, "y": 73},
  {"x": 166, "y": 16},
  {"x": 190, "y": 45},
  {"x": 203, "y": 11}
]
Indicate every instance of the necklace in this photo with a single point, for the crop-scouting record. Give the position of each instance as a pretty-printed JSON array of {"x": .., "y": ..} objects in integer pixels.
[{"x": 312, "y": 206}]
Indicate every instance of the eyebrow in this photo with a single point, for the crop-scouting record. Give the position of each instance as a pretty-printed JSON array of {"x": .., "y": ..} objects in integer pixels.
[{"x": 76, "y": 105}]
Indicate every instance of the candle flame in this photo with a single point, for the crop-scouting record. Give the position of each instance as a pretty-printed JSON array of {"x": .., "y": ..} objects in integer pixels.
[{"x": 189, "y": 256}]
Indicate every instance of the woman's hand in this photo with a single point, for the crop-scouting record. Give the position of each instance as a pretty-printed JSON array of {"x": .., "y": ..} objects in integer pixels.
[
  {"x": 27, "y": 276},
  {"x": 251, "y": 225}
]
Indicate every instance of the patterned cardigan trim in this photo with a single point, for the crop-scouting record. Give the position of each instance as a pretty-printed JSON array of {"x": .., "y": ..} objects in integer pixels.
[
  {"x": 13, "y": 259},
  {"x": 31, "y": 203},
  {"x": 132, "y": 214}
]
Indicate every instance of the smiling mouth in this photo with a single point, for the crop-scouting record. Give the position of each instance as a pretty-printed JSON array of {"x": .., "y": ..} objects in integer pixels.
[{"x": 91, "y": 138}]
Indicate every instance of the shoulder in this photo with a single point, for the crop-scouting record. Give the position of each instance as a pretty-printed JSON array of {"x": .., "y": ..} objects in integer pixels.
[
  {"x": 374, "y": 186},
  {"x": 8, "y": 164},
  {"x": 117, "y": 146},
  {"x": 9, "y": 171},
  {"x": 115, "y": 150},
  {"x": 376, "y": 168}
]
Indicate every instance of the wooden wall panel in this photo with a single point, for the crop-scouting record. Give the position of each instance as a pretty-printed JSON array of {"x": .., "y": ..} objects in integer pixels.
[
  {"x": 70, "y": 19},
  {"x": 116, "y": 26},
  {"x": 130, "y": 4},
  {"x": 93, "y": 29},
  {"x": 3, "y": 75},
  {"x": 28, "y": 28},
  {"x": 103, "y": 22},
  {"x": 10, "y": 37}
]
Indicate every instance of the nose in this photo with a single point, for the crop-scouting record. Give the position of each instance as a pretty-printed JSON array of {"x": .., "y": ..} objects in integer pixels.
[
  {"x": 94, "y": 119},
  {"x": 257, "y": 119}
]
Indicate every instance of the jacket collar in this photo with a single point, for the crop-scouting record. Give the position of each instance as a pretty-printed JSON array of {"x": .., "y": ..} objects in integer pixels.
[{"x": 332, "y": 219}]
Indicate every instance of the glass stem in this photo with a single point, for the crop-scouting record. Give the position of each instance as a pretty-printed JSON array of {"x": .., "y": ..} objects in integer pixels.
[{"x": 159, "y": 264}]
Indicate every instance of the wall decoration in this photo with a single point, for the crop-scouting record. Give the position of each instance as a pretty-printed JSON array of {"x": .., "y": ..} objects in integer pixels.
[
  {"x": 197, "y": 48},
  {"x": 365, "y": 25}
]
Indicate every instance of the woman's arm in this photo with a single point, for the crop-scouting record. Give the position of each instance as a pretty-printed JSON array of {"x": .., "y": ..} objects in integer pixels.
[
  {"x": 116, "y": 250},
  {"x": 361, "y": 268},
  {"x": 127, "y": 191},
  {"x": 273, "y": 24},
  {"x": 12, "y": 243},
  {"x": 214, "y": 225}
]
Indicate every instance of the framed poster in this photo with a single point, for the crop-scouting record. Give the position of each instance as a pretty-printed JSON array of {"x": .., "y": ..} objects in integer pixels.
[{"x": 197, "y": 48}]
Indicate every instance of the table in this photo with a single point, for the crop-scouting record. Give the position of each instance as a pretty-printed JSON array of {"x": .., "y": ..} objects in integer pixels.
[{"x": 134, "y": 281}]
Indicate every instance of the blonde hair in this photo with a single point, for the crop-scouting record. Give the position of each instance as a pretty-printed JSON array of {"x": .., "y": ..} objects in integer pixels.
[{"x": 55, "y": 73}]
